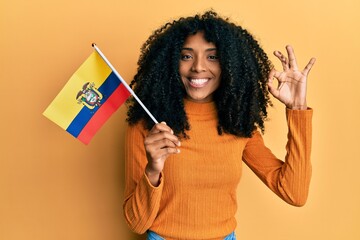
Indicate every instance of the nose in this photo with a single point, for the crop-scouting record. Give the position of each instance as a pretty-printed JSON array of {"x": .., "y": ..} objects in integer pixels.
[{"x": 199, "y": 65}]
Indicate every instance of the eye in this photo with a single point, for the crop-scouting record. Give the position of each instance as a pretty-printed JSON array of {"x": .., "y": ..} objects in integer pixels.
[
  {"x": 186, "y": 56},
  {"x": 213, "y": 57}
]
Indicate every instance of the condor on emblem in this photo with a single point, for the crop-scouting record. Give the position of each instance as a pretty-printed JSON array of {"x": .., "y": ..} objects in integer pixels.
[{"x": 89, "y": 96}]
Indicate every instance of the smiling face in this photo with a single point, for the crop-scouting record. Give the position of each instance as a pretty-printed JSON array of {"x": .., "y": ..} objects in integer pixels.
[{"x": 199, "y": 68}]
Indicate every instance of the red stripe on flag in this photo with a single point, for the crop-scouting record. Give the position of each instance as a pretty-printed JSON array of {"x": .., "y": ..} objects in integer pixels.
[{"x": 117, "y": 98}]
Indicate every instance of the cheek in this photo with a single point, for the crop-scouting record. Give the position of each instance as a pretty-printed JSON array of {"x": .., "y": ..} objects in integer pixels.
[
  {"x": 183, "y": 80},
  {"x": 215, "y": 67},
  {"x": 216, "y": 71},
  {"x": 183, "y": 74},
  {"x": 183, "y": 68}
]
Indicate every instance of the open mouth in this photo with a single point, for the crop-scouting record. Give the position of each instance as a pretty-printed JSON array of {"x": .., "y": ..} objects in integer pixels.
[{"x": 198, "y": 82}]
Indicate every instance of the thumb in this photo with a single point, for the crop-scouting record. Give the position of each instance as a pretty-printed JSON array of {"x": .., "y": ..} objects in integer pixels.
[{"x": 273, "y": 90}]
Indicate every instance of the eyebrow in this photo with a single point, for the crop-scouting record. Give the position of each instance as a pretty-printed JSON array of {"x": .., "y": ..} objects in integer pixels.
[{"x": 190, "y": 49}]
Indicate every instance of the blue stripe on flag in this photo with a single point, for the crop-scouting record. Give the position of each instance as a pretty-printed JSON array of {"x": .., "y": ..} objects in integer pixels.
[{"x": 83, "y": 117}]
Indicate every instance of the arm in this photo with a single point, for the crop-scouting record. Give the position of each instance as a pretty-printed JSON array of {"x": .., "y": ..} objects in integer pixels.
[
  {"x": 143, "y": 178},
  {"x": 290, "y": 180},
  {"x": 142, "y": 200}
]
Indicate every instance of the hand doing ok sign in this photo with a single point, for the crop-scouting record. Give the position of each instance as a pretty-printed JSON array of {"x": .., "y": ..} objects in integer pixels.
[{"x": 291, "y": 89}]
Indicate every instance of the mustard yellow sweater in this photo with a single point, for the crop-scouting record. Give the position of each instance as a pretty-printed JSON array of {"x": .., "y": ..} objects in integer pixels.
[{"x": 196, "y": 198}]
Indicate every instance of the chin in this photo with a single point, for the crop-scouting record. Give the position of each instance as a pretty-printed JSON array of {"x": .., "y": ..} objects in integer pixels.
[{"x": 199, "y": 99}]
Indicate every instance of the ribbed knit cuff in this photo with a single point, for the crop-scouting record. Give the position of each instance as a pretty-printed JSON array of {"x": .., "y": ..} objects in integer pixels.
[
  {"x": 292, "y": 112},
  {"x": 148, "y": 183},
  {"x": 299, "y": 121}
]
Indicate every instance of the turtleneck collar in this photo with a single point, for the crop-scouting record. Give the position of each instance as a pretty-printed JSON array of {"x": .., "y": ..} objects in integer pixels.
[{"x": 200, "y": 111}]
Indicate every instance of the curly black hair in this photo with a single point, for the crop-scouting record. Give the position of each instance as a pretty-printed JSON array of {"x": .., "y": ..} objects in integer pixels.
[{"x": 242, "y": 97}]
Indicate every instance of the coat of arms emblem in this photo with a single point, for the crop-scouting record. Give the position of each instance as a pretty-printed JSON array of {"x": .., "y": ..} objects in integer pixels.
[{"x": 89, "y": 96}]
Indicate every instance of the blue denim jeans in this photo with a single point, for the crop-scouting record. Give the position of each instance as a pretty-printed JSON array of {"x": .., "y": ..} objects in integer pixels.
[{"x": 153, "y": 236}]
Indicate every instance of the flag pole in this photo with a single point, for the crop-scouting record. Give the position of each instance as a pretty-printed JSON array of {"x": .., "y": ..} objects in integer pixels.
[{"x": 124, "y": 82}]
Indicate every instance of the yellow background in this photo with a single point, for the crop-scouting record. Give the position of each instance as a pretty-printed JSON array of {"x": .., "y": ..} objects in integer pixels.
[{"x": 54, "y": 187}]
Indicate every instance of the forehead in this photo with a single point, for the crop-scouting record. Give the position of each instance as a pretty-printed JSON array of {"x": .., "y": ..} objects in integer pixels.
[{"x": 198, "y": 40}]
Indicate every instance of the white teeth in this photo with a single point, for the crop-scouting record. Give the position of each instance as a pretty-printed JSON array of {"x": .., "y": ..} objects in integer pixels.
[{"x": 199, "y": 81}]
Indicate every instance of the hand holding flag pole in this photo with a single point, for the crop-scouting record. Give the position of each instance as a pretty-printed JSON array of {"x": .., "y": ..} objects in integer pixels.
[{"x": 124, "y": 82}]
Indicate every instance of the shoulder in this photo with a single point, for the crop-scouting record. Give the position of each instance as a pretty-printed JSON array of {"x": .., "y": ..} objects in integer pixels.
[
  {"x": 136, "y": 129},
  {"x": 255, "y": 139}
]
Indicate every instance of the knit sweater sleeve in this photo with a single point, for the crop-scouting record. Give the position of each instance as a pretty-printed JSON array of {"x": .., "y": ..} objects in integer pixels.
[
  {"x": 289, "y": 179},
  {"x": 142, "y": 200}
]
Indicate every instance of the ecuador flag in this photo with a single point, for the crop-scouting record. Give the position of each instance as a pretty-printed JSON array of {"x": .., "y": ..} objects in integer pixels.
[{"x": 88, "y": 99}]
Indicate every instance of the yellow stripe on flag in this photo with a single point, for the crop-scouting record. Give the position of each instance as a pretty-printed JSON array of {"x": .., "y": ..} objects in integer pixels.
[{"x": 64, "y": 108}]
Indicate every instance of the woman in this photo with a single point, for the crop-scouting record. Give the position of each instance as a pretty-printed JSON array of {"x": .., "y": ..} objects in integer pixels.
[{"x": 207, "y": 80}]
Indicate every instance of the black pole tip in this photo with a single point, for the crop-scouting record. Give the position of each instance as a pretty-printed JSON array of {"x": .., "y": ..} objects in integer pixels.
[{"x": 93, "y": 44}]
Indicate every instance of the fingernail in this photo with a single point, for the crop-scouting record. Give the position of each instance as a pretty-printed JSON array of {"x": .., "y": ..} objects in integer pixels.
[
  {"x": 179, "y": 143},
  {"x": 178, "y": 150}
]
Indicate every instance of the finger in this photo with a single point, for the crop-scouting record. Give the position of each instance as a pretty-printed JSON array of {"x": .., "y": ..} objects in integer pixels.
[
  {"x": 274, "y": 74},
  {"x": 273, "y": 90},
  {"x": 161, "y": 154},
  {"x": 164, "y": 152},
  {"x": 172, "y": 150},
  {"x": 157, "y": 137},
  {"x": 284, "y": 61},
  {"x": 157, "y": 149},
  {"x": 292, "y": 59},
  {"x": 161, "y": 127},
  {"x": 271, "y": 75},
  {"x": 156, "y": 146},
  {"x": 309, "y": 66}
]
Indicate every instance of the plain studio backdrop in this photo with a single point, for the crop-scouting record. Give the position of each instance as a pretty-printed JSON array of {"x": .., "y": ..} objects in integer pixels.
[{"x": 54, "y": 187}]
